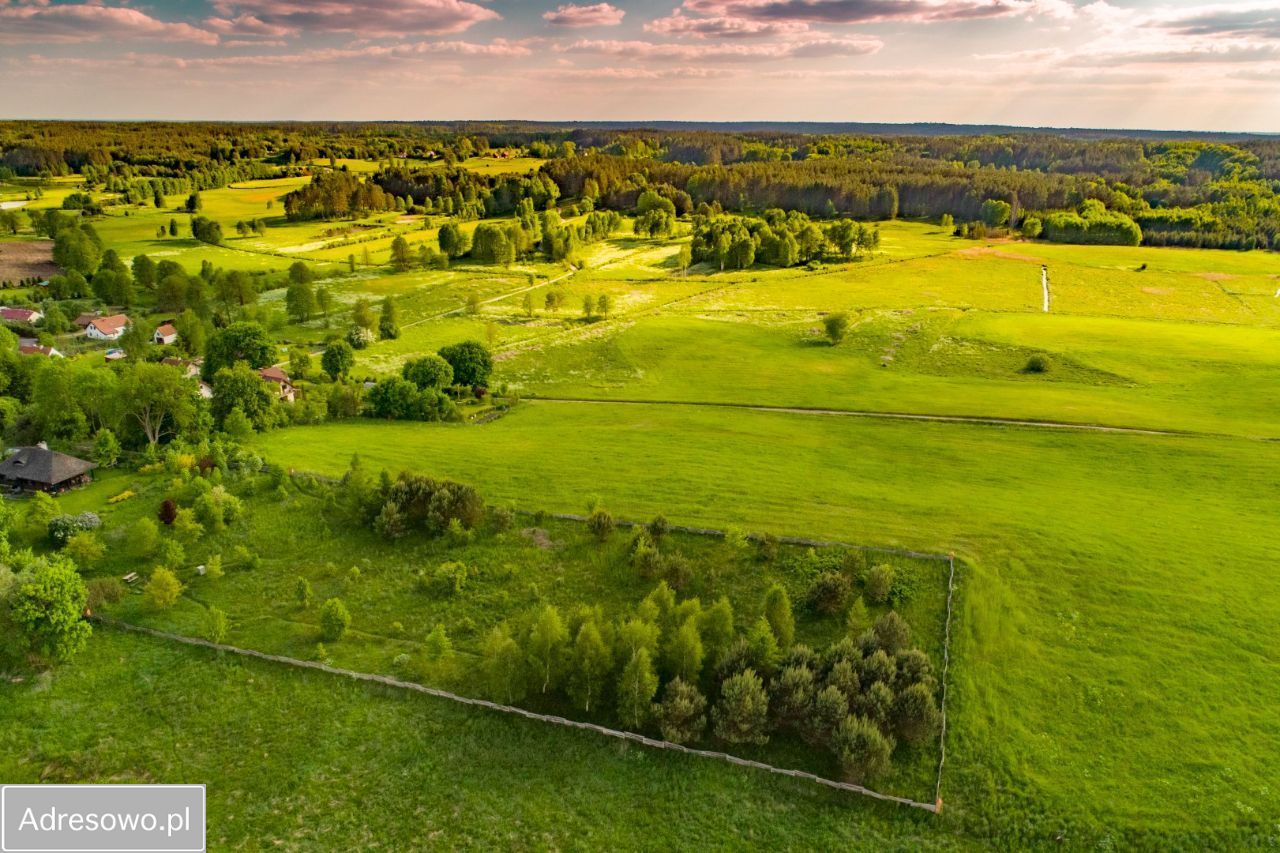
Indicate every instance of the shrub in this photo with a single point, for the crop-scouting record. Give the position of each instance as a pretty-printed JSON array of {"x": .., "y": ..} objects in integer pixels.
[
  {"x": 104, "y": 591},
  {"x": 742, "y": 714},
  {"x": 836, "y": 326},
  {"x": 61, "y": 528},
  {"x": 1037, "y": 364},
  {"x": 601, "y": 524},
  {"x": 215, "y": 625},
  {"x": 658, "y": 528},
  {"x": 777, "y": 610},
  {"x": 829, "y": 593},
  {"x": 914, "y": 714},
  {"x": 502, "y": 518},
  {"x": 682, "y": 713},
  {"x": 862, "y": 750},
  {"x": 449, "y": 578},
  {"x": 168, "y": 511},
  {"x": 767, "y": 547},
  {"x": 144, "y": 538},
  {"x": 302, "y": 592},
  {"x": 85, "y": 548},
  {"x": 334, "y": 620},
  {"x": 892, "y": 632},
  {"x": 879, "y": 582},
  {"x": 163, "y": 589}
]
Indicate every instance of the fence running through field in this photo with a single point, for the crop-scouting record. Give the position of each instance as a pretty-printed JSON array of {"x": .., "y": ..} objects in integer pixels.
[{"x": 389, "y": 681}]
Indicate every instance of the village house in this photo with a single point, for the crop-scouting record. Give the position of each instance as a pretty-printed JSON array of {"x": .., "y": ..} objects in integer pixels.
[
  {"x": 281, "y": 379},
  {"x": 165, "y": 334},
  {"x": 107, "y": 328},
  {"x": 37, "y": 349},
  {"x": 41, "y": 469},
  {"x": 20, "y": 315},
  {"x": 82, "y": 322},
  {"x": 190, "y": 369}
]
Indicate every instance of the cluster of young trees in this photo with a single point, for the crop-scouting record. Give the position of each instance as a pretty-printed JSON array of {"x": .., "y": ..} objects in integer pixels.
[
  {"x": 778, "y": 238},
  {"x": 465, "y": 193},
  {"x": 1092, "y": 224},
  {"x": 337, "y": 195},
  {"x": 687, "y": 671}
]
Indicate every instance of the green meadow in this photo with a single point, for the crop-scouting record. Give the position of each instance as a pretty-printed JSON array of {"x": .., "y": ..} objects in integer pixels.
[{"x": 1114, "y": 668}]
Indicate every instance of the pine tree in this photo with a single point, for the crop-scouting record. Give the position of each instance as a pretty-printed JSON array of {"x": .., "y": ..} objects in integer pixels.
[
  {"x": 682, "y": 713},
  {"x": 777, "y": 610},
  {"x": 742, "y": 714}
]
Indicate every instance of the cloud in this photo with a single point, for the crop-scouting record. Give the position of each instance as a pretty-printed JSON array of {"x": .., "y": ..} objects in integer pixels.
[
  {"x": 245, "y": 25},
  {"x": 733, "y": 52},
  {"x": 684, "y": 72},
  {"x": 370, "y": 18},
  {"x": 595, "y": 15},
  {"x": 76, "y": 23},
  {"x": 722, "y": 26},
  {"x": 861, "y": 11},
  {"x": 1255, "y": 23}
]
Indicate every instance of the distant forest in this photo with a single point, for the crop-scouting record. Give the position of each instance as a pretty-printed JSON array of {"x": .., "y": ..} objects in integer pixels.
[{"x": 1205, "y": 190}]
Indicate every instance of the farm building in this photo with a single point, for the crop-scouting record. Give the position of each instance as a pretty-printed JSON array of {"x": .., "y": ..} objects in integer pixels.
[
  {"x": 165, "y": 334},
  {"x": 85, "y": 319},
  {"x": 189, "y": 369},
  {"x": 107, "y": 328},
  {"x": 37, "y": 349},
  {"x": 41, "y": 469},
  {"x": 281, "y": 380},
  {"x": 20, "y": 315}
]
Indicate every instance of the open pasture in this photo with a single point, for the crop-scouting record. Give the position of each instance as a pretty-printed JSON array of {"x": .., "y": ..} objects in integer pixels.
[{"x": 1100, "y": 587}]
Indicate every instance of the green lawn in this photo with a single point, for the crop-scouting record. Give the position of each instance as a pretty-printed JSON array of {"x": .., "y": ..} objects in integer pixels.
[
  {"x": 1111, "y": 668},
  {"x": 303, "y": 760}
]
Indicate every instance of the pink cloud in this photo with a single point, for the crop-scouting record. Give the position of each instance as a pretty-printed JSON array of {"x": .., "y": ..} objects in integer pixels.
[
  {"x": 370, "y": 18},
  {"x": 595, "y": 15},
  {"x": 814, "y": 47},
  {"x": 246, "y": 25},
  {"x": 75, "y": 23},
  {"x": 860, "y": 11},
  {"x": 722, "y": 26}
]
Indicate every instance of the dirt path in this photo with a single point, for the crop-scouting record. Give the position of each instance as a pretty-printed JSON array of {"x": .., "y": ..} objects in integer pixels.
[{"x": 895, "y": 416}]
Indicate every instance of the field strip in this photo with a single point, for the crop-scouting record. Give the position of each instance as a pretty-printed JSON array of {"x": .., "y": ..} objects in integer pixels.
[
  {"x": 892, "y": 416},
  {"x": 520, "y": 712}
]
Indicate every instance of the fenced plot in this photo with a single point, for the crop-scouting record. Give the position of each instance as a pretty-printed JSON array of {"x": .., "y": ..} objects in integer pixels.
[{"x": 906, "y": 789}]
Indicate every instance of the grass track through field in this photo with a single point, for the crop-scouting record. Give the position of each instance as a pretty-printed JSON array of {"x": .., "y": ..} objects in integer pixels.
[{"x": 901, "y": 416}]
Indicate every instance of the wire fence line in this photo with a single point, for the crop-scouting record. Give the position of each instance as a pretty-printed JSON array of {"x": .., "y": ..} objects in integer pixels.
[
  {"x": 633, "y": 737},
  {"x": 949, "y": 559}
]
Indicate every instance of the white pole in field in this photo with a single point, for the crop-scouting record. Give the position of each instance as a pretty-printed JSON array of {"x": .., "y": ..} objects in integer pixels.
[{"x": 1044, "y": 285}]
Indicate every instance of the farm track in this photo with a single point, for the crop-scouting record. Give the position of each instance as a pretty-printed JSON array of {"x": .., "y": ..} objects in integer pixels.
[{"x": 901, "y": 416}]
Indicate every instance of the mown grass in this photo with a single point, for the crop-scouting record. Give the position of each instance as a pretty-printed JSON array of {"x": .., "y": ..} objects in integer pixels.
[
  {"x": 303, "y": 760},
  {"x": 513, "y": 573},
  {"x": 1112, "y": 670}
]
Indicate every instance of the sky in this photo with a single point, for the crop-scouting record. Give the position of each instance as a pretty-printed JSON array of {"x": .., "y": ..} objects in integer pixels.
[{"x": 1158, "y": 64}]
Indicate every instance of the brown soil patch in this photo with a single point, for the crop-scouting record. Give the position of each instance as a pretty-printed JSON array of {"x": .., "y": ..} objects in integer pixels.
[
  {"x": 988, "y": 252},
  {"x": 1215, "y": 276},
  {"x": 1157, "y": 291},
  {"x": 21, "y": 259}
]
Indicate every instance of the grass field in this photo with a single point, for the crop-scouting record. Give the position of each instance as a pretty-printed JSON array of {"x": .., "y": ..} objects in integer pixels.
[
  {"x": 305, "y": 760},
  {"x": 1114, "y": 675},
  {"x": 1109, "y": 573}
]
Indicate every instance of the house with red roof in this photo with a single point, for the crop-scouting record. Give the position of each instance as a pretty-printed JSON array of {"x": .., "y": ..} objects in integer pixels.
[
  {"x": 20, "y": 315},
  {"x": 165, "y": 334},
  {"x": 107, "y": 328}
]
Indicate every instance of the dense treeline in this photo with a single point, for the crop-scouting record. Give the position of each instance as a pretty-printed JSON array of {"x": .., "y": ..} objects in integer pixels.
[{"x": 1178, "y": 191}]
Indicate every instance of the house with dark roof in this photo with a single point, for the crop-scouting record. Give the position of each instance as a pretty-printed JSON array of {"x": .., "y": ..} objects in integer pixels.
[
  {"x": 280, "y": 379},
  {"x": 40, "y": 469}
]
